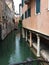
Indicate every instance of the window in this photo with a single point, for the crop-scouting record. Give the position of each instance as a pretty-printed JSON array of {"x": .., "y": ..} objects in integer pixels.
[
  {"x": 3, "y": 17},
  {"x": 29, "y": 12},
  {"x": 22, "y": 3},
  {"x": 48, "y": 4},
  {"x": 22, "y": 16},
  {"x": 37, "y": 6},
  {"x": 26, "y": 14}
]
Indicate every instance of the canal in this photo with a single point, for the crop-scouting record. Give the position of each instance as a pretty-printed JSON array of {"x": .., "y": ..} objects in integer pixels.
[{"x": 12, "y": 51}]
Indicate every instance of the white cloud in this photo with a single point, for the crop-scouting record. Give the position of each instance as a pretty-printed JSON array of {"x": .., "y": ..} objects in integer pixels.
[{"x": 16, "y": 3}]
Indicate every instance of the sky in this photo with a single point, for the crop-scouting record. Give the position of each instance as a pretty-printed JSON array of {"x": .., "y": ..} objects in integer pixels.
[{"x": 16, "y": 4}]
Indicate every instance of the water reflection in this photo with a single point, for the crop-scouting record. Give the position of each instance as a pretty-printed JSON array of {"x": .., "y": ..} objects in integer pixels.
[
  {"x": 11, "y": 51},
  {"x": 7, "y": 47}
]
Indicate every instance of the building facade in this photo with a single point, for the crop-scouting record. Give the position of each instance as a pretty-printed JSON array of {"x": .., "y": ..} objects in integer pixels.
[
  {"x": 35, "y": 16},
  {"x": 6, "y": 18}
]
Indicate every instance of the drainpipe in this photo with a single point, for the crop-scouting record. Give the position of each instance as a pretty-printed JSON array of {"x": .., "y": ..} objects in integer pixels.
[
  {"x": 38, "y": 46},
  {"x": 26, "y": 35},
  {"x": 30, "y": 39}
]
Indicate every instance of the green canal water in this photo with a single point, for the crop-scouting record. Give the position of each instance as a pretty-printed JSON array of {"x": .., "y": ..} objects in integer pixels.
[{"x": 12, "y": 51}]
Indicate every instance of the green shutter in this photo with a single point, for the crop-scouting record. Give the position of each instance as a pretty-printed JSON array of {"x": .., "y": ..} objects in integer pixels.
[
  {"x": 22, "y": 3},
  {"x": 22, "y": 17},
  {"x": 37, "y": 6},
  {"x": 29, "y": 12},
  {"x": 26, "y": 14}
]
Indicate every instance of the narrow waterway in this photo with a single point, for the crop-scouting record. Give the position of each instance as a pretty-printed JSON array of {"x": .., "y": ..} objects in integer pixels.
[{"x": 12, "y": 51}]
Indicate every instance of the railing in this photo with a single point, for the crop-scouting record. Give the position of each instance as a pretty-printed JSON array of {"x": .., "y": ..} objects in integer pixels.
[{"x": 33, "y": 62}]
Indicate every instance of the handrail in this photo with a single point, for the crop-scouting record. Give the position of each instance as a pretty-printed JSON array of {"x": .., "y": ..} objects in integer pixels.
[{"x": 28, "y": 62}]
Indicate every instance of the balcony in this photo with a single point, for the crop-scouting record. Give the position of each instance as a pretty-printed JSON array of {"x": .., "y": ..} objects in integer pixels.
[{"x": 27, "y": 1}]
